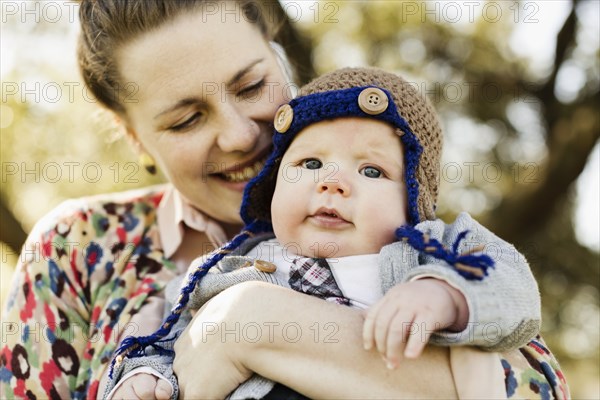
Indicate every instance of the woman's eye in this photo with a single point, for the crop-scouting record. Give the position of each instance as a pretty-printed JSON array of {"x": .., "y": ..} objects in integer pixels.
[
  {"x": 252, "y": 89},
  {"x": 312, "y": 163},
  {"x": 371, "y": 172},
  {"x": 186, "y": 124}
]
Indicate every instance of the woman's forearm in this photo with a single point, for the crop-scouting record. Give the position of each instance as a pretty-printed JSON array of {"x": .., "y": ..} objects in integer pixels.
[{"x": 305, "y": 343}]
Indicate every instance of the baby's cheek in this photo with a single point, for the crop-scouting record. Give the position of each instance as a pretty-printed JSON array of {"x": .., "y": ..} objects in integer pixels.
[{"x": 386, "y": 234}]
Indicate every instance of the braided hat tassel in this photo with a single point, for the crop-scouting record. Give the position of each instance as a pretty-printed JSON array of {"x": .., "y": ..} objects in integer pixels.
[
  {"x": 133, "y": 347},
  {"x": 467, "y": 265}
]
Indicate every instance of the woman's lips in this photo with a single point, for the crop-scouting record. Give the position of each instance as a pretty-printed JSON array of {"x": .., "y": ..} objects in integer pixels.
[{"x": 244, "y": 174}]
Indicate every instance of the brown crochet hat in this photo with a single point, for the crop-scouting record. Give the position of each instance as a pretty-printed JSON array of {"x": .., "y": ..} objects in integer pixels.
[{"x": 359, "y": 92}]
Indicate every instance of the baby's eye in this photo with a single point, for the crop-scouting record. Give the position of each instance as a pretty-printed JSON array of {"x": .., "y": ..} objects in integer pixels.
[
  {"x": 312, "y": 163},
  {"x": 371, "y": 172}
]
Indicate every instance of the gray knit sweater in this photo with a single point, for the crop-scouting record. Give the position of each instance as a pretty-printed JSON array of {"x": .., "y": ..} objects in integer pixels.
[{"x": 504, "y": 308}]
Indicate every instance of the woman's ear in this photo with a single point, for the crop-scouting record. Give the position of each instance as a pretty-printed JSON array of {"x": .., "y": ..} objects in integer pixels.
[
  {"x": 144, "y": 158},
  {"x": 132, "y": 138},
  {"x": 121, "y": 128}
]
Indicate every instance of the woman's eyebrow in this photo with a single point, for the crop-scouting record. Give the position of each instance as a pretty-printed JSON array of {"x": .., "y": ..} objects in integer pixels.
[
  {"x": 181, "y": 103},
  {"x": 192, "y": 100},
  {"x": 243, "y": 72}
]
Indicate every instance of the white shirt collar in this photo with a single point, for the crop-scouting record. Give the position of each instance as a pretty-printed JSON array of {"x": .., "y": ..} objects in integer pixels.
[{"x": 357, "y": 276}]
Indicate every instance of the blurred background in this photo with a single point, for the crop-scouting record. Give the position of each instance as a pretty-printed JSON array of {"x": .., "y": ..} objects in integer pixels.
[{"x": 517, "y": 84}]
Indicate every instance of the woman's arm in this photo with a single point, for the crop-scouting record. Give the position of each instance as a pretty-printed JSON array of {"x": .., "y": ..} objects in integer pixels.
[{"x": 312, "y": 346}]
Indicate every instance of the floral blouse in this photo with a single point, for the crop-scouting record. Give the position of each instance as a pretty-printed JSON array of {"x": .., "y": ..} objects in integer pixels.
[{"x": 85, "y": 270}]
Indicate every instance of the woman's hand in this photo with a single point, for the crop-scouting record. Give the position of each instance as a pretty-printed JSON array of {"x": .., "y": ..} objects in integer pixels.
[
  {"x": 206, "y": 353},
  {"x": 402, "y": 322},
  {"x": 310, "y": 345}
]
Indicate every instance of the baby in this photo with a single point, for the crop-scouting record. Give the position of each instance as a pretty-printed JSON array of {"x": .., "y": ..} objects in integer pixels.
[{"x": 349, "y": 193}]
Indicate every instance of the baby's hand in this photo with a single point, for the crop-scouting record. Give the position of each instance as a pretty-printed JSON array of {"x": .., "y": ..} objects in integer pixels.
[
  {"x": 404, "y": 319},
  {"x": 143, "y": 386}
]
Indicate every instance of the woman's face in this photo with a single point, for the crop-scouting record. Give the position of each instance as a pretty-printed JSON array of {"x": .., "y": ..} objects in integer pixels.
[{"x": 206, "y": 90}]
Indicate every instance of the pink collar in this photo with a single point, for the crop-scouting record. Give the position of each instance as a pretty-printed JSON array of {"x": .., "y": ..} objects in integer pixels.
[{"x": 173, "y": 212}]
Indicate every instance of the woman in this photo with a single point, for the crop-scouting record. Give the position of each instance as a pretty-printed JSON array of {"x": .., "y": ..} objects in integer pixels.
[
  {"x": 205, "y": 125},
  {"x": 196, "y": 85}
]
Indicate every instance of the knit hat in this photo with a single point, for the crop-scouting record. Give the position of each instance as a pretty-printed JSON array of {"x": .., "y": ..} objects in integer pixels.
[{"x": 366, "y": 93}]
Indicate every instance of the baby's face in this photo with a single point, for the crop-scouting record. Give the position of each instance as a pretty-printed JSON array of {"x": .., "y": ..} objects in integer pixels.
[{"x": 340, "y": 189}]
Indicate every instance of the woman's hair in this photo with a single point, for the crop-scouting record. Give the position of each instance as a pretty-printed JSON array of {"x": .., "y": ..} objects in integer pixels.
[{"x": 108, "y": 24}]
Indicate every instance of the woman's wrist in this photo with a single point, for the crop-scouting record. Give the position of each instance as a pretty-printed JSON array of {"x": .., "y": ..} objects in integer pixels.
[{"x": 237, "y": 322}]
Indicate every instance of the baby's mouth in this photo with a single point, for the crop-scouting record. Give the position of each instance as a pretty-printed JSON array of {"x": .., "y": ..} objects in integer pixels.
[
  {"x": 329, "y": 215},
  {"x": 243, "y": 174}
]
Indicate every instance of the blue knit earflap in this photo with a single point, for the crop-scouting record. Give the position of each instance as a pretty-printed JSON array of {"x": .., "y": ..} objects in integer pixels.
[
  {"x": 132, "y": 346},
  {"x": 468, "y": 265}
]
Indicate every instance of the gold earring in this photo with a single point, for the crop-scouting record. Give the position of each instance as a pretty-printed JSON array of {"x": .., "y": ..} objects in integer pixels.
[{"x": 148, "y": 163}]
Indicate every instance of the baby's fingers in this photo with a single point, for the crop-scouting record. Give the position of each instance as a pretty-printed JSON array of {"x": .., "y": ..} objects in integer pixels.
[
  {"x": 381, "y": 324},
  {"x": 369, "y": 326},
  {"x": 400, "y": 329},
  {"x": 422, "y": 329}
]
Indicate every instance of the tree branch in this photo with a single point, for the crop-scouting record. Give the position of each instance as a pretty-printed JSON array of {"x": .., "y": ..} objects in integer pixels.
[
  {"x": 11, "y": 231},
  {"x": 564, "y": 41},
  {"x": 574, "y": 136}
]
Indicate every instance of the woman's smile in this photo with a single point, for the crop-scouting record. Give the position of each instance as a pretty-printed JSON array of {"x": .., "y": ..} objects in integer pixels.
[{"x": 239, "y": 175}]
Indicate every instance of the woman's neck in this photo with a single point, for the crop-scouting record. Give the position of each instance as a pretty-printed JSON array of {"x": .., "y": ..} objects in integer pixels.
[{"x": 231, "y": 229}]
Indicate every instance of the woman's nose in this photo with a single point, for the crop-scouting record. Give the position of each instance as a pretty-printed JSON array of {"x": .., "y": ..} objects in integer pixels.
[{"x": 237, "y": 132}]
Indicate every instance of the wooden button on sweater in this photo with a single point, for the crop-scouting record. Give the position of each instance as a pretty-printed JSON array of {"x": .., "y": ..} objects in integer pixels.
[{"x": 265, "y": 266}]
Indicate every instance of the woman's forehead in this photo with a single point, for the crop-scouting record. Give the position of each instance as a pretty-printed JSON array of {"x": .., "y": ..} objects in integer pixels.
[
  {"x": 192, "y": 55},
  {"x": 191, "y": 49}
]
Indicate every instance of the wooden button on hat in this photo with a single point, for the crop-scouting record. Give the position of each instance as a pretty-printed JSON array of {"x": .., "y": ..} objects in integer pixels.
[
  {"x": 372, "y": 101},
  {"x": 283, "y": 118}
]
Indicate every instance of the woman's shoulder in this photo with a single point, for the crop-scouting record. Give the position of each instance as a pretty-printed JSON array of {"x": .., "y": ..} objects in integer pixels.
[
  {"x": 104, "y": 211},
  {"x": 150, "y": 195}
]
